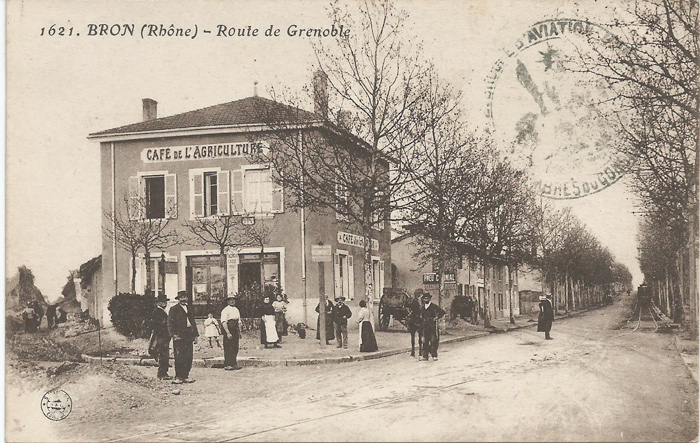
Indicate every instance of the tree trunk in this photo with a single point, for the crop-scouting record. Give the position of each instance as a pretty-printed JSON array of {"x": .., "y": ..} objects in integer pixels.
[
  {"x": 510, "y": 296},
  {"x": 133, "y": 272},
  {"x": 487, "y": 312},
  {"x": 369, "y": 284},
  {"x": 224, "y": 269},
  {"x": 149, "y": 283}
]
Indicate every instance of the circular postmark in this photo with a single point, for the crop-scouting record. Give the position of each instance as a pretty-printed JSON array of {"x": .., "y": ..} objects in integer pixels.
[
  {"x": 56, "y": 404},
  {"x": 543, "y": 109}
]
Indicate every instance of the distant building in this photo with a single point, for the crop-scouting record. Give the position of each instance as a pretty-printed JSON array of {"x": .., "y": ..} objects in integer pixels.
[
  {"x": 464, "y": 276},
  {"x": 88, "y": 288},
  {"x": 195, "y": 165}
]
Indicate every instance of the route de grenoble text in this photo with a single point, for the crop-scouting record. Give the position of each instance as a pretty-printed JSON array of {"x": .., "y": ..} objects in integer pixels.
[{"x": 150, "y": 30}]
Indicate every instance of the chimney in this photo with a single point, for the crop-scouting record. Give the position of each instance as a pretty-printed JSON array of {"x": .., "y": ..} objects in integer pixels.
[
  {"x": 320, "y": 89},
  {"x": 150, "y": 109},
  {"x": 345, "y": 120}
]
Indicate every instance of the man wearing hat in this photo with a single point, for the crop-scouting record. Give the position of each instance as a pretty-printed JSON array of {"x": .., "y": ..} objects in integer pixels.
[
  {"x": 183, "y": 330},
  {"x": 159, "y": 346},
  {"x": 341, "y": 313},
  {"x": 546, "y": 316},
  {"x": 230, "y": 320},
  {"x": 430, "y": 313}
]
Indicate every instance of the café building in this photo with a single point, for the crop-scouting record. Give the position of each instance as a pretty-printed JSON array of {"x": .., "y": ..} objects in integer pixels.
[{"x": 197, "y": 165}]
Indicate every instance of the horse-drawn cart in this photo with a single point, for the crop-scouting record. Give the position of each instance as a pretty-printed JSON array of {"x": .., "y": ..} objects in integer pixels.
[{"x": 394, "y": 303}]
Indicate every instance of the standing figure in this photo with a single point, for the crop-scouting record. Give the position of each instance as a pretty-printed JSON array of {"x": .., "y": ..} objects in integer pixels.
[
  {"x": 159, "y": 345},
  {"x": 413, "y": 322},
  {"x": 211, "y": 329},
  {"x": 280, "y": 306},
  {"x": 368, "y": 343},
  {"x": 29, "y": 318},
  {"x": 61, "y": 315},
  {"x": 39, "y": 313},
  {"x": 329, "y": 322},
  {"x": 268, "y": 332},
  {"x": 468, "y": 308},
  {"x": 475, "y": 310},
  {"x": 183, "y": 330},
  {"x": 546, "y": 316},
  {"x": 341, "y": 314},
  {"x": 230, "y": 320},
  {"x": 430, "y": 313},
  {"x": 51, "y": 316}
]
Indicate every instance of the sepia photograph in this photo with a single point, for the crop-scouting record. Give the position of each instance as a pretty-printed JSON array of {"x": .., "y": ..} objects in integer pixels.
[{"x": 352, "y": 220}]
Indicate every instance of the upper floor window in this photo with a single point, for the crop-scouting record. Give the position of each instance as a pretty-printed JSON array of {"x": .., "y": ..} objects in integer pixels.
[
  {"x": 155, "y": 196},
  {"x": 253, "y": 191},
  {"x": 209, "y": 192},
  {"x": 341, "y": 205},
  {"x": 152, "y": 196}
]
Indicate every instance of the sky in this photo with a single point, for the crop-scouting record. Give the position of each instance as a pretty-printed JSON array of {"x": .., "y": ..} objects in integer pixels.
[{"x": 61, "y": 88}]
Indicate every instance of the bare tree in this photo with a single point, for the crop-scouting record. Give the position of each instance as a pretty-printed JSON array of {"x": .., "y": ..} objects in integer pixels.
[
  {"x": 124, "y": 229},
  {"x": 367, "y": 85},
  {"x": 652, "y": 66}
]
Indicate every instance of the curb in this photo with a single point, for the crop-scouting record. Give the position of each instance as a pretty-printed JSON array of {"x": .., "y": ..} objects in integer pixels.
[
  {"x": 683, "y": 359},
  {"x": 257, "y": 362}
]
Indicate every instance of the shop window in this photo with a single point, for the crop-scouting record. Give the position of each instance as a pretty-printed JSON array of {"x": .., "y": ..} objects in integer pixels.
[
  {"x": 209, "y": 192},
  {"x": 152, "y": 196},
  {"x": 250, "y": 271},
  {"x": 205, "y": 275}
]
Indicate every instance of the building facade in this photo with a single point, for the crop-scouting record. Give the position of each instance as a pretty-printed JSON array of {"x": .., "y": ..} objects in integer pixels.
[
  {"x": 464, "y": 276},
  {"x": 197, "y": 165}
]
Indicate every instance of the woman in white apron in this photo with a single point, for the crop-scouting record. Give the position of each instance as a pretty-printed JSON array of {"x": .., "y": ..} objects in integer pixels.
[{"x": 268, "y": 332}]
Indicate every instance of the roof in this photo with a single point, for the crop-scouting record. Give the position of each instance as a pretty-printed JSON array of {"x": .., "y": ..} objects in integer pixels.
[
  {"x": 91, "y": 266},
  {"x": 246, "y": 111}
]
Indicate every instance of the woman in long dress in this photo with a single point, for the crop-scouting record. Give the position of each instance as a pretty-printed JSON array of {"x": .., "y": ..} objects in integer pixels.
[
  {"x": 368, "y": 343},
  {"x": 280, "y": 319},
  {"x": 268, "y": 332}
]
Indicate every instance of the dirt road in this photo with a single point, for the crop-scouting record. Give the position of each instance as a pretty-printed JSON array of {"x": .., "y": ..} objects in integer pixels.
[{"x": 593, "y": 382}]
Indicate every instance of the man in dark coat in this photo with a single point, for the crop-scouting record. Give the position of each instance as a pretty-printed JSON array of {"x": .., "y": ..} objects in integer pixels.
[
  {"x": 51, "y": 316},
  {"x": 183, "y": 330},
  {"x": 329, "y": 321},
  {"x": 341, "y": 314},
  {"x": 430, "y": 313},
  {"x": 546, "y": 317},
  {"x": 39, "y": 312},
  {"x": 159, "y": 346}
]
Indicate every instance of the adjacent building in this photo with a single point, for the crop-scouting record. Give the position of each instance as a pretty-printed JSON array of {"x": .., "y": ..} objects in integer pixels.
[{"x": 464, "y": 276}]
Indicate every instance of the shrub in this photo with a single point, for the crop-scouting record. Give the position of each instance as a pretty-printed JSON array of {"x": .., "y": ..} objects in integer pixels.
[{"x": 131, "y": 314}]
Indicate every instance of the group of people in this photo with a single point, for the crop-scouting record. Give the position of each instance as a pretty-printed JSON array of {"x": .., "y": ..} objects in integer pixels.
[
  {"x": 34, "y": 312},
  {"x": 336, "y": 322},
  {"x": 179, "y": 325}
]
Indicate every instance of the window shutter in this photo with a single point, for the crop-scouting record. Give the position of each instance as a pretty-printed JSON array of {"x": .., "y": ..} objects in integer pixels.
[
  {"x": 196, "y": 194},
  {"x": 351, "y": 278},
  {"x": 135, "y": 208},
  {"x": 237, "y": 191},
  {"x": 336, "y": 274},
  {"x": 277, "y": 194},
  {"x": 170, "y": 196},
  {"x": 380, "y": 290},
  {"x": 224, "y": 200}
]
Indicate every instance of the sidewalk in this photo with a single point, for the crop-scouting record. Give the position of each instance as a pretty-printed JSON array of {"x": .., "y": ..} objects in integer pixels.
[
  {"x": 296, "y": 351},
  {"x": 688, "y": 350}
]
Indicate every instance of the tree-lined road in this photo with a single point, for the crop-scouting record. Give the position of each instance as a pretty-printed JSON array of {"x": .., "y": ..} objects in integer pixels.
[{"x": 593, "y": 382}]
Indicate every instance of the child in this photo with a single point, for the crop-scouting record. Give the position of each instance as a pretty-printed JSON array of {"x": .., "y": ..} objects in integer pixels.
[{"x": 212, "y": 329}]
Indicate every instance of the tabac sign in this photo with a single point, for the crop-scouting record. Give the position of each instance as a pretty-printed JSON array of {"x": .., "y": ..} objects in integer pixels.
[
  {"x": 345, "y": 238},
  {"x": 202, "y": 152}
]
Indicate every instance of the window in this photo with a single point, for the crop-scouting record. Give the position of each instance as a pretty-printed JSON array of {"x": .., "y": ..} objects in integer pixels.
[
  {"x": 155, "y": 197},
  {"x": 253, "y": 191},
  {"x": 152, "y": 196},
  {"x": 344, "y": 275},
  {"x": 258, "y": 191},
  {"x": 209, "y": 192}
]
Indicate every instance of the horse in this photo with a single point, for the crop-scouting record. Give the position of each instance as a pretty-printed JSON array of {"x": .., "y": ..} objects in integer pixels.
[{"x": 413, "y": 324}]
